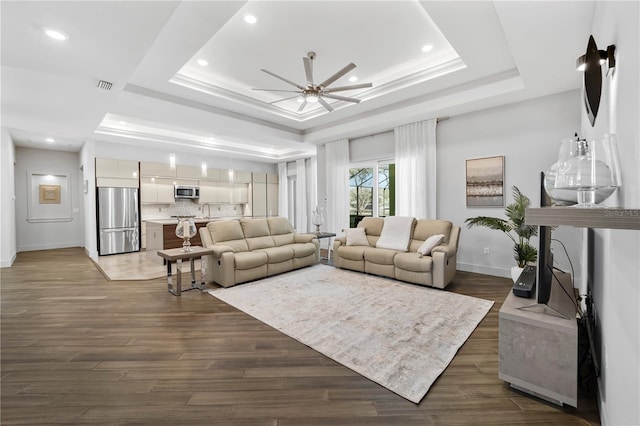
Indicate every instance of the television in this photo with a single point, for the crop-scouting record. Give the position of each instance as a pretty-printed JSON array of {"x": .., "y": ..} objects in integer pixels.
[{"x": 544, "y": 276}]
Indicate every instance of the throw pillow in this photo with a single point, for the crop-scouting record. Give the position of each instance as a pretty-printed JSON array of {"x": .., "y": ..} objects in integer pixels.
[
  {"x": 356, "y": 237},
  {"x": 428, "y": 245}
]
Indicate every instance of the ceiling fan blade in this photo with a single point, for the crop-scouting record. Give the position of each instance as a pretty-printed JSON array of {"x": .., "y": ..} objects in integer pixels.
[
  {"x": 285, "y": 99},
  {"x": 341, "y": 98},
  {"x": 325, "y": 104},
  {"x": 352, "y": 87},
  {"x": 308, "y": 70},
  {"x": 302, "y": 105},
  {"x": 278, "y": 90},
  {"x": 283, "y": 79},
  {"x": 337, "y": 75}
]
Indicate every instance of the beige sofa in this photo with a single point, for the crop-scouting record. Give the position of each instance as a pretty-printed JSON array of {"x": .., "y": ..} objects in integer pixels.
[
  {"x": 435, "y": 270},
  {"x": 248, "y": 249}
]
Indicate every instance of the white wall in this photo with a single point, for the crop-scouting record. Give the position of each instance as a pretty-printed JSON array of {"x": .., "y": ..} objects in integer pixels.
[
  {"x": 47, "y": 235},
  {"x": 616, "y": 281},
  {"x": 7, "y": 200},
  {"x": 88, "y": 171},
  {"x": 528, "y": 135}
]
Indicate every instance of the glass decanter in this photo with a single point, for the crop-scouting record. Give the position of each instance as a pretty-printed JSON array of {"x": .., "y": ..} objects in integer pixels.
[
  {"x": 186, "y": 229},
  {"x": 317, "y": 218}
]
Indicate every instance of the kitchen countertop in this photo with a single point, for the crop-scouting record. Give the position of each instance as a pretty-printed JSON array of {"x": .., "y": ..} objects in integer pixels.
[{"x": 174, "y": 221}]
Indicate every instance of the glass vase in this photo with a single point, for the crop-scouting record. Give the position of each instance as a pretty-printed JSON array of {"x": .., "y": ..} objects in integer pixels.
[
  {"x": 186, "y": 229},
  {"x": 588, "y": 167}
]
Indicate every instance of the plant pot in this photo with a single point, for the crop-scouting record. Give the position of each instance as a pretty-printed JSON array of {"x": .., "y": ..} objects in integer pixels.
[{"x": 515, "y": 272}]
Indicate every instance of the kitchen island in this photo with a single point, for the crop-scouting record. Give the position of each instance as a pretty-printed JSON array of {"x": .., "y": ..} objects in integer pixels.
[{"x": 161, "y": 234}]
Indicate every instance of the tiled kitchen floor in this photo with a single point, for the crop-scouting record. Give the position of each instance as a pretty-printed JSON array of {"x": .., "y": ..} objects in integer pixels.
[{"x": 136, "y": 266}]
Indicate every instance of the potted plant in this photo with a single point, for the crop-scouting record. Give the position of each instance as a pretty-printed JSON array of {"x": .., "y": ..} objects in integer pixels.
[{"x": 524, "y": 252}]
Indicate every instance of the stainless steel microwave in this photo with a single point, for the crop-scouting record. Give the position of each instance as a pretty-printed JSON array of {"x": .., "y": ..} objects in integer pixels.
[{"x": 181, "y": 191}]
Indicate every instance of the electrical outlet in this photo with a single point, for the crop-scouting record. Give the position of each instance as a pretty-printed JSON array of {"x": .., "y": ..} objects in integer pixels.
[{"x": 487, "y": 251}]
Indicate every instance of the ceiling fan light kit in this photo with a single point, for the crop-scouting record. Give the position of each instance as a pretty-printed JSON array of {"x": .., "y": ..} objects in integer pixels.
[{"x": 312, "y": 93}]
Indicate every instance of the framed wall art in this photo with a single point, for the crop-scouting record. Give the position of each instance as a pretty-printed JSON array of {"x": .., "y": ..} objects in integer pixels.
[
  {"x": 485, "y": 182},
  {"x": 48, "y": 198}
]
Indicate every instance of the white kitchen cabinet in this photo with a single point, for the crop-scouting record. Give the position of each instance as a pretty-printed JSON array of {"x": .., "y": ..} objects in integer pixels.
[
  {"x": 240, "y": 193},
  {"x": 242, "y": 177},
  {"x": 156, "y": 190},
  {"x": 208, "y": 192},
  {"x": 213, "y": 175},
  {"x": 116, "y": 173},
  {"x": 189, "y": 172},
  {"x": 106, "y": 168},
  {"x": 157, "y": 169},
  {"x": 259, "y": 195},
  {"x": 272, "y": 199}
]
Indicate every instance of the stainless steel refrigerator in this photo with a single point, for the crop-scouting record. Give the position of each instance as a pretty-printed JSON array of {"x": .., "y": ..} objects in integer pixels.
[{"x": 118, "y": 220}]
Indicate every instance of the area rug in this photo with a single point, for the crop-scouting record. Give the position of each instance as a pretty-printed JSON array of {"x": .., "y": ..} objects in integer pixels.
[{"x": 399, "y": 335}]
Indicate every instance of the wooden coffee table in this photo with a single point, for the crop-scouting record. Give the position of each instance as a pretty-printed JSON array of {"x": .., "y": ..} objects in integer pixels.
[{"x": 178, "y": 255}]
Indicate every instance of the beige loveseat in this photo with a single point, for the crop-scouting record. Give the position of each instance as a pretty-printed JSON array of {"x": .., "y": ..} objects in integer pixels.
[
  {"x": 248, "y": 249},
  {"x": 435, "y": 270}
]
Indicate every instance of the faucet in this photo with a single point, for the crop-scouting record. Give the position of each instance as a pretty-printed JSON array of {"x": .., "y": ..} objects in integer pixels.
[{"x": 208, "y": 216}]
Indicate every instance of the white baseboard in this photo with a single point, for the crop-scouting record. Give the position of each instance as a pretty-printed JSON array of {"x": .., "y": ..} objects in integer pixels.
[
  {"x": 486, "y": 270},
  {"x": 50, "y": 246},
  {"x": 6, "y": 263}
]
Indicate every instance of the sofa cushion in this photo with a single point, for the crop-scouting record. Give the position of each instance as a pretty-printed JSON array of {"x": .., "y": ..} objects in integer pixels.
[
  {"x": 380, "y": 256},
  {"x": 430, "y": 243},
  {"x": 254, "y": 227},
  {"x": 257, "y": 243},
  {"x": 303, "y": 249},
  {"x": 352, "y": 252},
  {"x": 283, "y": 239},
  {"x": 279, "y": 225},
  {"x": 413, "y": 262},
  {"x": 396, "y": 233},
  {"x": 225, "y": 231},
  {"x": 278, "y": 254},
  {"x": 356, "y": 237},
  {"x": 428, "y": 227},
  {"x": 250, "y": 259},
  {"x": 372, "y": 225}
]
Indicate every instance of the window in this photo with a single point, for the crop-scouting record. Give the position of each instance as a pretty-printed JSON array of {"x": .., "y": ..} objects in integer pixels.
[{"x": 371, "y": 191}]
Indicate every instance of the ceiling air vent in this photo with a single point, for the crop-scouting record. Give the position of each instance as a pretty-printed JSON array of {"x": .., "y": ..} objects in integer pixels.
[{"x": 104, "y": 85}]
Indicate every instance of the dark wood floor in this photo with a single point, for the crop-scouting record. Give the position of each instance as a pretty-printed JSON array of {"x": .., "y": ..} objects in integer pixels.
[{"x": 77, "y": 349}]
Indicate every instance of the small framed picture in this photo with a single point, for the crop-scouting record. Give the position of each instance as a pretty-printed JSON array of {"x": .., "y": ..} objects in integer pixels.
[
  {"x": 485, "y": 182},
  {"x": 49, "y": 194}
]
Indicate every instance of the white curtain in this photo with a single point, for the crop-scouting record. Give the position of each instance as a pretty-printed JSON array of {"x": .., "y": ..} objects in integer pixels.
[
  {"x": 416, "y": 169},
  {"x": 337, "y": 172},
  {"x": 312, "y": 187},
  {"x": 283, "y": 191},
  {"x": 301, "y": 196}
]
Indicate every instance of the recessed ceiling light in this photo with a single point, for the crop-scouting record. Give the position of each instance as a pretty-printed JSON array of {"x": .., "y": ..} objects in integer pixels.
[
  {"x": 50, "y": 140},
  {"x": 427, "y": 47},
  {"x": 353, "y": 79},
  {"x": 55, "y": 34},
  {"x": 122, "y": 122},
  {"x": 250, "y": 19},
  {"x": 202, "y": 62}
]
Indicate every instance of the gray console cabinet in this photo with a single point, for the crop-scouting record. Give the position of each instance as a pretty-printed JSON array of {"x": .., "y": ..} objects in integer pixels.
[{"x": 538, "y": 353}]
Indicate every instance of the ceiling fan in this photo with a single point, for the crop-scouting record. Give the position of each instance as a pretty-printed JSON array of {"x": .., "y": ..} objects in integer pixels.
[{"x": 316, "y": 93}]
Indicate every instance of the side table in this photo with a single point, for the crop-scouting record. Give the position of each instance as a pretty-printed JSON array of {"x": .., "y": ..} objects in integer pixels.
[
  {"x": 329, "y": 235},
  {"x": 178, "y": 255}
]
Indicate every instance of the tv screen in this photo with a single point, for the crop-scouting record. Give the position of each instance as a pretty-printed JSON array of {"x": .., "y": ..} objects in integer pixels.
[{"x": 545, "y": 257}]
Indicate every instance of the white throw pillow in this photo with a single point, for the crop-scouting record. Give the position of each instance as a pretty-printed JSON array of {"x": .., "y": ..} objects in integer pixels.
[
  {"x": 356, "y": 237},
  {"x": 428, "y": 245}
]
